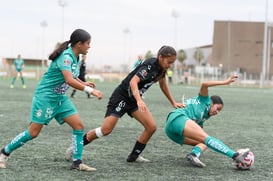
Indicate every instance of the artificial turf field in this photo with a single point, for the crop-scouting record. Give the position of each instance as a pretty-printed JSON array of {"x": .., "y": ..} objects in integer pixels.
[{"x": 245, "y": 121}]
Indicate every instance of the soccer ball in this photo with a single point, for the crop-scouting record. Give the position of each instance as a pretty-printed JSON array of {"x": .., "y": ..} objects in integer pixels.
[{"x": 247, "y": 163}]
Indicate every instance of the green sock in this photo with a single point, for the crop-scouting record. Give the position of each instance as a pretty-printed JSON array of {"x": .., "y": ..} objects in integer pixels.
[
  {"x": 23, "y": 80},
  {"x": 13, "y": 80},
  {"x": 77, "y": 144},
  {"x": 219, "y": 146},
  {"x": 196, "y": 150},
  {"x": 18, "y": 141}
]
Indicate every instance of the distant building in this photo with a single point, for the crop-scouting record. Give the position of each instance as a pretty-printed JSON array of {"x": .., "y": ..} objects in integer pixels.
[{"x": 238, "y": 46}]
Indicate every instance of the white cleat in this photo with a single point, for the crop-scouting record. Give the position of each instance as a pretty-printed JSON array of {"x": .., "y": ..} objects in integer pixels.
[
  {"x": 140, "y": 159},
  {"x": 241, "y": 154},
  {"x": 82, "y": 167},
  {"x": 194, "y": 160},
  {"x": 3, "y": 160}
]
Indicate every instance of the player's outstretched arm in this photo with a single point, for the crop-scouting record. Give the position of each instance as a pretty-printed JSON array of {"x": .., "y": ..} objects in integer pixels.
[{"x": 205, "y": 85}]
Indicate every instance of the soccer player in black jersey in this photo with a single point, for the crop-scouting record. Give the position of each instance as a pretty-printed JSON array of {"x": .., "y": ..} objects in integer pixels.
[{"x": 126, "y": 98}]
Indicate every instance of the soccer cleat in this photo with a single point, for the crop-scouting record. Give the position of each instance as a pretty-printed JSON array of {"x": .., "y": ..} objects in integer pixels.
[
  {"x": 82, "y": 167},
  {"x": 139, "y": 159},
  {"x": 3, "y": 160},
  {"x": 69, "y": 153},
  {"x": 240, "y": 155},
  {"x": 194, "y": 160}
]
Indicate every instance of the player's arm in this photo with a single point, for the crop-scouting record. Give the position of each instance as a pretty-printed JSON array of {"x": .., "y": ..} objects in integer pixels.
[
  {"x": 205, "y": 85},
  {"x": 87, "y": 83},
  {"x": 166, "y": 91},
  {"x": 135, "y": 92},
  {"x": 79, "y": 85}
]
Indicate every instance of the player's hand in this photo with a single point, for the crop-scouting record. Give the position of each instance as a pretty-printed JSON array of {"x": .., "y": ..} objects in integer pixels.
[
  {"x": 97, "y": 93},
  {"x": 141, "y": 106},
  {"x": 231, "y": 79},
  {"x": 178, "y": 105},
  {"x": 91, "y": 84}
]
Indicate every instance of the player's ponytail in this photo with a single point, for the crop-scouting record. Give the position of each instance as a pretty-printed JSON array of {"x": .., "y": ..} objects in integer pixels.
[
  {"x": 79, "y": 35},
  {"x": 56, "y": 53}
]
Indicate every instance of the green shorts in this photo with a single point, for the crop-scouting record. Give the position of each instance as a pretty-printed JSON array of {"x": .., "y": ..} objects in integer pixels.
[
  {"x": 174, "y": 127},
  {"x": 43, "y": 110}
]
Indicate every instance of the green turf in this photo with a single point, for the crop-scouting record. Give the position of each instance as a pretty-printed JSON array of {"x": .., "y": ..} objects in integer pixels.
[{"x": 246, "y": 121}]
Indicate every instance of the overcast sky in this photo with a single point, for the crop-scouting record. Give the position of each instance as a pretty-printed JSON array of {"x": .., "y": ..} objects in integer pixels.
[{"x": 150, "y": 24}]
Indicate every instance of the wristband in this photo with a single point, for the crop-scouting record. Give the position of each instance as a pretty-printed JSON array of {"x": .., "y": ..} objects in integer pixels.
[{"x": 88, "y": 89}]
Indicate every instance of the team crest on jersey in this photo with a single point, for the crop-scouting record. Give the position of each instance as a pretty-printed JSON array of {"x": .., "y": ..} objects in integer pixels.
[
  {"x": 66, "y": 62},
  {"x": 143, "y": 73}
]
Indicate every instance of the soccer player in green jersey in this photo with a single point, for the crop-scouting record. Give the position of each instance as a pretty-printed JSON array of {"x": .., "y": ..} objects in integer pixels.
[
  {"x": 184, "y": 125},
  {"x": 19, "y": 65},
  {"x": 50, "y": 99}
]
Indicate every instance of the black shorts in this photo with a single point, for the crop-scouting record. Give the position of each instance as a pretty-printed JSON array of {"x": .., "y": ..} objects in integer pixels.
[{"x": 118, "y": 105}]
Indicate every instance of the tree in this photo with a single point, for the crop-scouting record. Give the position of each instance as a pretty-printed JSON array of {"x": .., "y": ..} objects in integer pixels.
[
  {"x": 198, "y": 55},
  {"x": 181, "y": 55},
  {"x": 148, "y": 55}
]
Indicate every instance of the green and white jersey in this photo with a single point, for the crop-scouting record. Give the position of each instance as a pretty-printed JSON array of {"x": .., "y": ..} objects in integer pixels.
[
  {"x": 197, "y": 109},
  {"x": 53, "y": 84},
  {"x": 18, "y": 64}
]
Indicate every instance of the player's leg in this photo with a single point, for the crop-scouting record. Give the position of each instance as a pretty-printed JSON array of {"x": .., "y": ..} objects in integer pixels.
[
  {"x": 18, "y": 141},
  {"x": 194, "y": 156},
  {"x": 116, "y": 108},
  {"x": 22, "y": 79},
  {"x": 105, "y": 129},
  {"x": 149, "y": 124},
  {"x": 73, "y": 93},
  {"x": 77, "y": 144},
  {"x": 194, "y": 131},
  {"x": 13, "y": 79}
]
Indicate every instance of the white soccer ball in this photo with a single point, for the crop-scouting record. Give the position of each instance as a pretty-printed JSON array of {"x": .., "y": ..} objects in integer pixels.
[{"x": 247, "y": 163}]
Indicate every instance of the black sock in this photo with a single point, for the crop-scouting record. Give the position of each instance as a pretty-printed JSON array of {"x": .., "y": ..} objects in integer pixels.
[
  {"x": 85, "y": 141},
  {"x": 138, "y": 148}
]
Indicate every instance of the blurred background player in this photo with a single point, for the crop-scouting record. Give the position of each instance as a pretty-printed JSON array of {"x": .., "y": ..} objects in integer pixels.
[
  {"x": 138, "y": 61},
  {"x": 19, "y": 65},
  {"x": 81, "y": 75}
]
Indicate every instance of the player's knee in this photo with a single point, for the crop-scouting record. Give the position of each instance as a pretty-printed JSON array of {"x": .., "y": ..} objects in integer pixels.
[
  {"x": 34, "y": 134},
  {"x": 78, "y": 126},
  {"x": 151, "y": 128}
]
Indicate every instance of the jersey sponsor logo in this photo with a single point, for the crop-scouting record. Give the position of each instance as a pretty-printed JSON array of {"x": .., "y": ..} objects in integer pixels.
[{"x": 61, "y": 89}]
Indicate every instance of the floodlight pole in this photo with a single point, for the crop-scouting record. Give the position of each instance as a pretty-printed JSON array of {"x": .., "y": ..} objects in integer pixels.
[
  {"x": 264, "y": 47},
  {"x": 175, "y": 15},
  {"x": 63, "y": 4},
  {"x": 43, "y": 25}
]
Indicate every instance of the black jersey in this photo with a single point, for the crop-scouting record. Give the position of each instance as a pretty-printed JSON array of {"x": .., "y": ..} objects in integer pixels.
[{"x": 148, "y": 72}]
